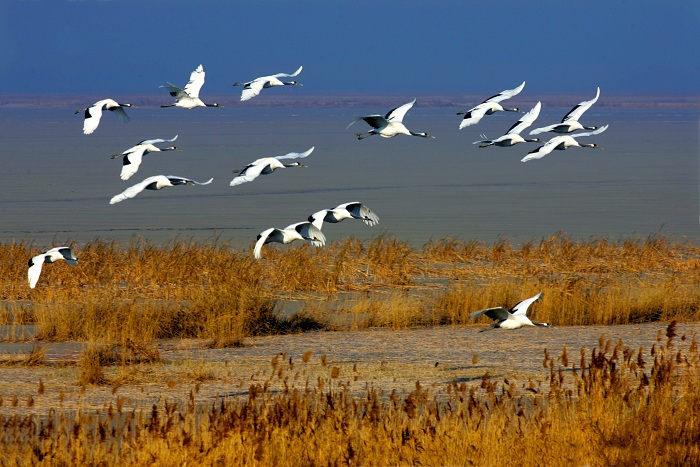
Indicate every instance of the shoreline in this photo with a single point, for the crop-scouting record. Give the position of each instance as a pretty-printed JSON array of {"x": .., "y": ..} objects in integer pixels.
[{"x": 330, "y": 100}]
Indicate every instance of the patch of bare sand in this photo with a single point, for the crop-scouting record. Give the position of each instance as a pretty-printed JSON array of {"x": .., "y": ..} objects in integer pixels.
[{"x": 380, "y": 358}]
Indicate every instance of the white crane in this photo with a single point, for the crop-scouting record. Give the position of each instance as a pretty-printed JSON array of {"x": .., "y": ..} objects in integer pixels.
[
  {"x": 156, "y": 182},
  {"x": 514, "y": 318},
  {"x": 563, "y": 142},
  {"x": 267, "y": 165},
  {"x": 570, "y": 122},
  {"x": 93, "y": 114},
  {"x": 489, "y": 106},
  {"x": 512, "y": 136},
  {"x": 352, "y": 210},
  {"x": 50, "y": 256},
  {"x": 390, "y": 125},
  {"x": 299, "y": 231},
  {"x": 188, "y": 98},
  {"x": 254, "y": 87},
  {"x": 132, "y": 157}
]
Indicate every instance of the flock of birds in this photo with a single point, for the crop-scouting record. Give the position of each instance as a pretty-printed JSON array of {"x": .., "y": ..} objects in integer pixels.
[{"x": 387, "y": 126}]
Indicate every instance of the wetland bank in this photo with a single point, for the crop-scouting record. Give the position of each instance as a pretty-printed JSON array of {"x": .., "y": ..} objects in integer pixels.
[{"x": 195, "y": 345}]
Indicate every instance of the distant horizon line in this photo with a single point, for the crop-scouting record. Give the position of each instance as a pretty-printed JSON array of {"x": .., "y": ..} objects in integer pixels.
[{"x": 353, "y": 99}]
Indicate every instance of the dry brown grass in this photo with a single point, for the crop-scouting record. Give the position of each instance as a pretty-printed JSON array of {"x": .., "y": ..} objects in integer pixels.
[
  {"x": 144, "y": 292},
  {"x": 606, "y": 406}
]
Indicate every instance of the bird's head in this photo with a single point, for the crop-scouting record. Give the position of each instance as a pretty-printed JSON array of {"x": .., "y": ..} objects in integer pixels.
[
  {"x": 171, "y": 148},
  {"x": 295, "y": 164},
  {"x": 214, "y": 105},
  {"x": 128, "y": 105},
  {"x": 293, "y": 83},
  {"x": 424, "y": 135},
  {"x": 79, "y": 111}
]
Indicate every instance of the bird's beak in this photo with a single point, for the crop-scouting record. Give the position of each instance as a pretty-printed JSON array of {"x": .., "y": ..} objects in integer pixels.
[
  {"x": 79, "y": 111},
  {"x": 114, "y": 156}
]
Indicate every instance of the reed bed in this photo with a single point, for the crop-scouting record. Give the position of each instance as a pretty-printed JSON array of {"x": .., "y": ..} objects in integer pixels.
[
  {"x": 612, "y": 405},
  {"x": 144, "y": 292}
]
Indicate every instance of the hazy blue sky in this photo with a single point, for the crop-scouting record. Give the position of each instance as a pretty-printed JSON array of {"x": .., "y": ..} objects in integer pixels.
[{"x": 125, "y": 46}]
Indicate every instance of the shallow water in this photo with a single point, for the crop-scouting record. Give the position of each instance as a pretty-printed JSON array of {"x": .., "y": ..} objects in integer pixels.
[{"x": 56, "y": 182}]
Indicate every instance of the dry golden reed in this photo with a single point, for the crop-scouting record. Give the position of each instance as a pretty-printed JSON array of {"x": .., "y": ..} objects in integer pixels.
[
  {"x": 610, "y": 407},
  {"x": 144, "y": 292}
]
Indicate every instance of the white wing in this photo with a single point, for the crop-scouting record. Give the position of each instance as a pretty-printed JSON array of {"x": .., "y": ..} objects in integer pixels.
[
  {"x": 317, "y": 218},
  {"x": 285, "y": 75},
  {"x": 544, "y": 129},
  {"x": 526, "y": 120},
  {"x": 597, "y": 131},
  {"x": 253, "y": 89},
  {"x": 261, "y": 241},
  {"x": 521, "y": 307},
  {"x": 309, "y": 232},
  {"x": 183, "y": 180},
  {"x": 545, "y": 149},
  {"x": 136, "y": 189},
  {"x": 196, "y": 82},
  {"x": 360, "y": 211},
  {"x": 132, "y": 161},
  {"x": 34, "y": 270},
  {"x": 93, "y": 115},
  {"x": 474, "y": 115},
  {"x": 397, "y": 114},
  {"x": 251, "y": 171},
  {"x": 156, "y": 141},
  {"x": 578, "y": 110},
  {"x": 507, "y": 94},
  {"x": 297, "y": 155}
]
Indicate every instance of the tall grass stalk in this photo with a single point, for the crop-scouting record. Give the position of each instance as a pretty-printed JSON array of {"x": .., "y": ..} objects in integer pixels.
[
  {"x": 609, "y": 407},
  {"x": 145, "y": 292}
]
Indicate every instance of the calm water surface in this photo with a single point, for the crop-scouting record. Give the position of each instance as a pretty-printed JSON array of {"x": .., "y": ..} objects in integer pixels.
[{"x": 56, "y": 183}]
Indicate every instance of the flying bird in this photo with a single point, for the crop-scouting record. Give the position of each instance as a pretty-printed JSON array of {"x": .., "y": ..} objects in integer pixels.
[
  {"x": 489, "y": 106},
  {"x": 267, "y": 165},
  {"x": 390, "y": 125},
  {"x": 353, "y": 210},
  {"x": 50, "y": 256},
  {"x": 514, "y": 318},
  {"x": 132, "y": 157},
  {"x": 188, "y": 98},
  {"x": 254, "y": 87},
  {"x": 93, "y": 114},
  {"x": 570, "y": 122},
  {"x": 156, "y": 182},
  {"x": 299, "y": 231},
  {"x": 563, "y": 142},
  {"x": 512, "y": 136}
]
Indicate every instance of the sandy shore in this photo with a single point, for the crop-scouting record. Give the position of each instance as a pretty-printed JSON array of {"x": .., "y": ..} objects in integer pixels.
[{"x": 380, "y": 358}]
